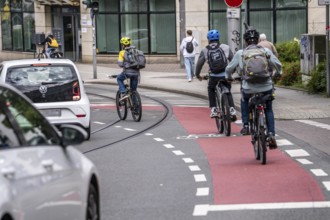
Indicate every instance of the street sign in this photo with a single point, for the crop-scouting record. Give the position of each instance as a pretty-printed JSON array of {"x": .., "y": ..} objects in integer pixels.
[
  {"x": 324, "y": 2},
  {"x": 237, "y": 3}
]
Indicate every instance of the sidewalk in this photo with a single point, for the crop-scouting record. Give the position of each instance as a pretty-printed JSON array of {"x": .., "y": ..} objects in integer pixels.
[{"x": 288, "y": 104}]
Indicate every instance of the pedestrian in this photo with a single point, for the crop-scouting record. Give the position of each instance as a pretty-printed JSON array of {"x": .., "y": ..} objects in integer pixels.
[
  {"x": 188, "y": 50},
  {"x": 217, "y": 56},
  {"x": 251, "y": 37},
  {"x": 265, "y": 43}
]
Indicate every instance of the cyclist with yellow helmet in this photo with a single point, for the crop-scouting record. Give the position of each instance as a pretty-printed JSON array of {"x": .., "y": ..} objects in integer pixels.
[{"x": 128, "y": 72}]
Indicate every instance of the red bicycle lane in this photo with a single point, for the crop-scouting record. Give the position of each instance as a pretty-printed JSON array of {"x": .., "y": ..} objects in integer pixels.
[{"x": 237, "y": 177}]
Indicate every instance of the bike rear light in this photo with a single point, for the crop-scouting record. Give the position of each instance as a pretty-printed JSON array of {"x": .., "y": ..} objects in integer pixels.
[{"x": 75, "y": 91}]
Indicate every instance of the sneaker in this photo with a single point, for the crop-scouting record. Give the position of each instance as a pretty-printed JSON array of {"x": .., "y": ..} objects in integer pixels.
[
  {"x": 245, "y": 130},
  {"x": 272, "y": 141},
  {"x": 189, "y": 80},
  {"x": 214, "y": 112},
  {"x": 232, "y": 114}
]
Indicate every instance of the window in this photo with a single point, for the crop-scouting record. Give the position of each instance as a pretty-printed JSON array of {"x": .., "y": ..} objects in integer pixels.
[
  {"x": 17, "y": 24},
  {"x": 149, "y": 23}
]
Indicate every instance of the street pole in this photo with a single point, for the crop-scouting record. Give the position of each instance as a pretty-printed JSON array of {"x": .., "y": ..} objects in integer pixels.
[
  {"x": 182, "y": 27},
  {"x": 327, "y": 49},
  {"x": 94, "y": 46},
  {"x": 234, "y": 30}
]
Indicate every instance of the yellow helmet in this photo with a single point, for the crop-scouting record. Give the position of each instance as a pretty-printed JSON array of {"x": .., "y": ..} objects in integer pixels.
[{"x": 126, "y": 41}]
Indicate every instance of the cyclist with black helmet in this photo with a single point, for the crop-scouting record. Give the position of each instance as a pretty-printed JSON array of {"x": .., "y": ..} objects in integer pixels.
[
  {"x": 251, "y": 37},
  {"x": 128, "y": 72},
  {"x": 217, "y": 60}
]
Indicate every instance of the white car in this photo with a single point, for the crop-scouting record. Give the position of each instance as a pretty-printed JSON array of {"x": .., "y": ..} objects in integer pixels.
[
  {"x": 54, "y": 86},
  {"x": 41, "y": 175}
]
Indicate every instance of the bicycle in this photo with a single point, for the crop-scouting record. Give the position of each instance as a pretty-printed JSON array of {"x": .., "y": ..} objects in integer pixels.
[
  {"x": 131, "y": 101},
  {"x": 258, "y": 125},
  {"x": 223, "y": 120},
  {"x": 54, "y": 53}
]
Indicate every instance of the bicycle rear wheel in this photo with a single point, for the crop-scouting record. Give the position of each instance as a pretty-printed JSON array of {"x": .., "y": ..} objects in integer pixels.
[
  {"x": 225, "y": 114},
  {"x": 42, "y": 56},
  {"x": 137, "y": 106},
  {"x": 262, "y": 145},
  {"x": 254, "y": 134},
  {"x": 218, "y": 120},
  {"x": 121, "y": 106}
]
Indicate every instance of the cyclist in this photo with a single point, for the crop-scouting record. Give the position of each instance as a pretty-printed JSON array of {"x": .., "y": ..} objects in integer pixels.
[
  {"x": 251, "y": 37},
  {"x": 51, "y": 43},
  {"x": 216, "y": 74},
  {"x": 128, "y": 72}
]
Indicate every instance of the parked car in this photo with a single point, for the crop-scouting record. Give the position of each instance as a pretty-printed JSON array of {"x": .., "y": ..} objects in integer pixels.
[
  {"x": 54, "y": 86},
  {"x": 41, "y": 175}
]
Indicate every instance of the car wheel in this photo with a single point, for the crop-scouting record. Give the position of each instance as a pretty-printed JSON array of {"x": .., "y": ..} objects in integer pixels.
[
  {"x": 88, "y": 130},
  {"x": 92, "y": 211}
]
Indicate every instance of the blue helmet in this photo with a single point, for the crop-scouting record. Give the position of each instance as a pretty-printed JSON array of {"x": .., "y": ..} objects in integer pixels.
[{"x": 213, "y": 35}]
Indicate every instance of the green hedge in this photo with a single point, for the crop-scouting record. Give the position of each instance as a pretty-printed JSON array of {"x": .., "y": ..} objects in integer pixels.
[{"x": 318, "y": 81}]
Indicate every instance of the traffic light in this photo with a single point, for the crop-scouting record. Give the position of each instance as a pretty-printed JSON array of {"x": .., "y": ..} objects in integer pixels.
[
  {"x": 95, "y": 6},
  {"x": 88, "y": 3}
]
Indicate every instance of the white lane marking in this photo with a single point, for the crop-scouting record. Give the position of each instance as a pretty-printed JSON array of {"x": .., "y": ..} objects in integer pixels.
[
  {"x": 319, "y": 172},
  {"x": 297, "y": 153},
  {"x": 169, "y": 146},
  {"x": 203, "y": 191},
  {"x": 304, "y": 161},
  {"x": 98, "y": 122},
  {"x": 326, "y": 185},
  {"x": 148, "y": 134},
  {"x": 283, "y": 142},
  {"x": 188, "y": 160},
  {"x": 200, "y": 178},
  {"x": 202, "y": 210},
  {"x": 158, "y": 139},
  {"x": 178, "y": 152},
  {"x": 316, "y": 124},
  {"x": 129, "y": 129},
  {"x": 118, "y": 126},
  {"x": 194, "y": 168}
]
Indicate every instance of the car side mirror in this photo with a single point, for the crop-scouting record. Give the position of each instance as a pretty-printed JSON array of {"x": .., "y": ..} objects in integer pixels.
[{"x": 72, "y": 134}]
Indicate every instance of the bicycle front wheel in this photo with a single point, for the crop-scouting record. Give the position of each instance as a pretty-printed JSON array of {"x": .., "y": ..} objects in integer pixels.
[
  {"x": 121, "y": 106},
  {"x": 225, "y": 114},
  {"x": 218, "y": 120},
  {"x": 137, "y": 106}
]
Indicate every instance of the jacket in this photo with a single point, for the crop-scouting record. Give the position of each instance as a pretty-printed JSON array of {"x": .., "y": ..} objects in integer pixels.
[
  {"x": 203, "y": 57},
  {"x": 183, "y": 46},
  {"x": 122, "y": 62},
  {"x": 250, "y": 88}
]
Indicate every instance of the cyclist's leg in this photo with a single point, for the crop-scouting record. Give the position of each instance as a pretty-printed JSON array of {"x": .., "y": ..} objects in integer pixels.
[
  {"x": 270, "y": 122},
  {"x": 134, "y": 80},
  {"x": 211, "y": 94},
  {"x": 245, "y": 112},
  {"x": 192, "y": 66},
  {"x": 120, "y": 80},
  {"x": 231, "y": 101}
]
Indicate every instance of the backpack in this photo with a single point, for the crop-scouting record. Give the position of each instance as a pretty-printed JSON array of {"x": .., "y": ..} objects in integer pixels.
[
  {"x": 190, "y": 46},
  {"x": 53, "y": 43},
  {"x": 217, "y": 59},
  {"x": 255, "y": 64},
  {"x": 135, "y": 58}
]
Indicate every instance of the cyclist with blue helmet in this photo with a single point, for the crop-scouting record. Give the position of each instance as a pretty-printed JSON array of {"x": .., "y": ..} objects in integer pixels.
[{"x": 215, "y": 74}]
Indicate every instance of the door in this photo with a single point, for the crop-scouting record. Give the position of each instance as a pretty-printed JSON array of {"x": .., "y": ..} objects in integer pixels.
[{"x": 71, "y": 37}]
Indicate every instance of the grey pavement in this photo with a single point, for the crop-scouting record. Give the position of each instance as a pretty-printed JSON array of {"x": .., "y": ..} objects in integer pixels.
[{"x": 289, "y": 104}]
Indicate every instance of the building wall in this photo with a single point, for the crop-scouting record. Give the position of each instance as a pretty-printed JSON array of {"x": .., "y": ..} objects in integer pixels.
[{"x": 316, "y": 18}]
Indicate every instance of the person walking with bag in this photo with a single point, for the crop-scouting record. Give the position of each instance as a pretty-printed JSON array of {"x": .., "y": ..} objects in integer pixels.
[{"x": 187, "y": 48}]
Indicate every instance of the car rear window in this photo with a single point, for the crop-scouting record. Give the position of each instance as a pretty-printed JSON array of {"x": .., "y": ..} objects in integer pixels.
[{"x": 45, "y": 83}]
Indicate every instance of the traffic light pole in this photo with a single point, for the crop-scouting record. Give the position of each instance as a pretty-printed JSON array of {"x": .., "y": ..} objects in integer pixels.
[{"x": 94, "y": 47}]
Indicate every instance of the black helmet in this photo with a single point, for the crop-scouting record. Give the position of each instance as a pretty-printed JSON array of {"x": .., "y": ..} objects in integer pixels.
[{"x": 251, "y": 35}]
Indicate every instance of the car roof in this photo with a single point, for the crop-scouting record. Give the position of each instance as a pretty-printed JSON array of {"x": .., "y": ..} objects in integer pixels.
[{"x": 35, "y": 61}]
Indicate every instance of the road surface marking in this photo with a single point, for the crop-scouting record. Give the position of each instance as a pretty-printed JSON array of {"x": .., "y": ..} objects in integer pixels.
[
  {"x": 158, "y": 139},
  {"x": 178, "y": 152},
  {"x": 202, "y": 210},
  {"x": 188, "y": 160},
  {"x": 283, "y": 142},
  {"x": 316, "y": 124},
  {"x": 319, "y": 172},
  {"x": 148, "y": 134},
  {"x": 297, "y": 153},
  {"x": 304, "y": 161},
  {"x": 326, "y": 184},
  {"x": 129, "y": 129},
  {"x": 203, "y": 191},
  {"x": 194, "y": 168},
  {"x": 200, "y": 178},
  {"x": 98, "y": 122},
  {"x": 169, "y": 146}
]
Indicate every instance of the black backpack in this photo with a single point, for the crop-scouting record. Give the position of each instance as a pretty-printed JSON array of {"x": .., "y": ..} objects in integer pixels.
[
  {"x": 135, "y": 59},
  {"x": 190, "y": 46},
  {"x": 216, "y": 58}
]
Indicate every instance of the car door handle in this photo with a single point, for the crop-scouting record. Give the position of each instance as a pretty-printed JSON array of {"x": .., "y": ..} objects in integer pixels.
[
  {"x": 8, "y": 172},
  {"x": 47, "y": 164}
]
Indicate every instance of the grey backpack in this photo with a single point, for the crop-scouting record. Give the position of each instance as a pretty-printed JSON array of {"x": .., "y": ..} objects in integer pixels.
[
  {"x": 255, "y": 64},
  {"x": 135, "y": 58}
]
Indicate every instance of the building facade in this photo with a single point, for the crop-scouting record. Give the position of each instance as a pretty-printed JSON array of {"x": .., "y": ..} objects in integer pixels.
[{"x": 155, "y": 26}]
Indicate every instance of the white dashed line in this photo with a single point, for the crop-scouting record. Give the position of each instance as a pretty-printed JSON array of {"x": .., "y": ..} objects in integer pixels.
[
  {"x": 319, "y": 172},
  {"x": 158, "y": 139},
  {"x": 283, "y": 142},
  {"x": 98, "y": 122},
  {"x": 178, "y": 152},
  {"x": 118, "y": 126},
  {"x": 316, "y": 124},
  {"x": 202, "y": 210},
  {"x": 129, "y": 129},
  {"x": 188, "y": 160},
  {"x": 200, "y": 178},
  {"x": 327, "y": 185},
  {"x": 297, "y": 153},
  {"x": 304, "y": 161},
  {"x": 148, "y": 134},
  {"x": 194, "y": 168},
  {"x": 203, "y": 191},
  {"x": 169, "y": 146}
]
